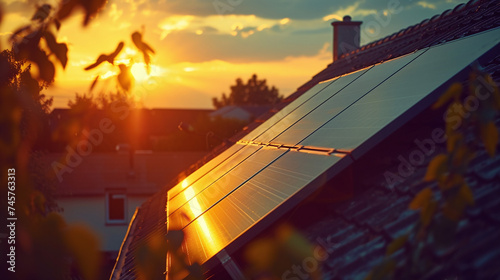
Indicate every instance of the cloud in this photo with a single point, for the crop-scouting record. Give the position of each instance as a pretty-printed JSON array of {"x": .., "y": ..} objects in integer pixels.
[
  {"x": 353, "y": 10},
  {"x": 174, "y": 23},
  {"x": 427, "y": 5}
]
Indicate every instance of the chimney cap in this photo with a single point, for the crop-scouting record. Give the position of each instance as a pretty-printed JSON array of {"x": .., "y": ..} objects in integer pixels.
[{"x": 347, "y": 20}]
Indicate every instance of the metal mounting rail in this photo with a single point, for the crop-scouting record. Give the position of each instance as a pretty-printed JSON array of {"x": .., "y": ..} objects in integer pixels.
[{"x": 298, "y": 148}]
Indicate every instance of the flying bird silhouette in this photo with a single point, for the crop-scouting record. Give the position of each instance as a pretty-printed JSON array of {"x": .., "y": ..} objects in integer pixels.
[
  {"x": 143, "y": 47},
  {"x": 107, "y": 57}
]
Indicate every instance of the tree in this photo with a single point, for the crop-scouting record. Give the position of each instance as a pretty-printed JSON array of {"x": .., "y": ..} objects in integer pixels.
[
  {"x": 49, "y": 248},
  {"x": 254, "y": 92}
]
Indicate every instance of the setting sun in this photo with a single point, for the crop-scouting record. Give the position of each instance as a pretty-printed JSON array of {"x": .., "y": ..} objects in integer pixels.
[{"x": 139, "y": 72}]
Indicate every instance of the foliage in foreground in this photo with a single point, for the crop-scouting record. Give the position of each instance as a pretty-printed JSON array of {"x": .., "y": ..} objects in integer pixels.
[{"x": 440, "y": 215}]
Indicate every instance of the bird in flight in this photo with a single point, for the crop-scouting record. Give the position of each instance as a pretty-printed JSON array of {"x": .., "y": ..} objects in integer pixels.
[{"x": 106, "y": 57}]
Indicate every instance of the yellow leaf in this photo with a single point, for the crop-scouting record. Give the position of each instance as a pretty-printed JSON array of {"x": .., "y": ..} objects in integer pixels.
[
  {"x": 489, "y": 136},
  {"x": 454, "y": 139},
  {"x": 452, "y": 181},
  {"x": 461, "y": 156},
  {"x": 84, "y": 247},
  {"x": 436, "y": 167},
  {"x": 396, "y": 244},
  {"x": 453, "y": 91},
  {"x": 466, "y": 194},
  {"x": 421, "y": 199},
  {"x": 428, "y": 212}
]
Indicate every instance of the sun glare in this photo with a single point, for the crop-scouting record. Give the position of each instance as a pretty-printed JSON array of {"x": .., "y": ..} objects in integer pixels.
[{"x": 139, "y": 72}]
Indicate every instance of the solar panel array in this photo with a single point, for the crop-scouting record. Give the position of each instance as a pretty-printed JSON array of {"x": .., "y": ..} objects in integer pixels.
[{"x": 308, "y": 142}]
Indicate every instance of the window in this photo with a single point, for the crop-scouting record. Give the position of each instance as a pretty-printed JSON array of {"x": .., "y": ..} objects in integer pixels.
[{"x": 116, "y": 207}]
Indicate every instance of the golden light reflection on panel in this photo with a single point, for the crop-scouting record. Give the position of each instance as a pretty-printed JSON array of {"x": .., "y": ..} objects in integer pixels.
[
  {"x": 201, "y": 223},
  {"x": 184, "y": 184}
]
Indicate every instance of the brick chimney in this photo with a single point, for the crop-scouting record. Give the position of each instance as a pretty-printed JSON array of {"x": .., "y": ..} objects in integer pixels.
[{"x": 346, "y": 36}]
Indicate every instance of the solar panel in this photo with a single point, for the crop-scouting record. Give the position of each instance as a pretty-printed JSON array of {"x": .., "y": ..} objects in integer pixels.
[
  {"x": 289, "y": 109},
  {"x": 312, "y": 103},
  {"x": 399, "y": 93},
  {"x": 193, "y": 189},
  {"x": 259, "y": 130},
  {"x": 193, "y": 206},
  {"x": 340, "y": 99},
  {"x": 202, "y": 171},
  {"x": 239, "y": 198},
  {"x": 250, "y": 203}
]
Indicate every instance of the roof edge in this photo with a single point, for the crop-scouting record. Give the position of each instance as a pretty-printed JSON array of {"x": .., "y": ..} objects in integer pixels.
[{"x": 120, "y": 260}]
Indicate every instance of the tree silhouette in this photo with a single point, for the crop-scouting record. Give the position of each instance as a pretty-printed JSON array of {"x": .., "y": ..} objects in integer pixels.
[{"x": 254, "y": 92}]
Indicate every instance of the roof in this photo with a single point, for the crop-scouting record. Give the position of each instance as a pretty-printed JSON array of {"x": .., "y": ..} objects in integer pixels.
[
  {"x": 99, "y": 172},
  {"x": 360, "y": 227},
  {"x": 154, "y": 123},
  {"x": 241, "y": 112}
]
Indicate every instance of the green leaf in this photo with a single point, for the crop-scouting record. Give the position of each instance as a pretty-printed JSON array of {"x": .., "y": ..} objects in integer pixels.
[
  {"x": 396, "y": 244},
  {"x": 421, "y": 199}
]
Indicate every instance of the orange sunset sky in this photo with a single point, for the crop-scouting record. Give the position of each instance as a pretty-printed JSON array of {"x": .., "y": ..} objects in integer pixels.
[{"x": 202, "y": 46}]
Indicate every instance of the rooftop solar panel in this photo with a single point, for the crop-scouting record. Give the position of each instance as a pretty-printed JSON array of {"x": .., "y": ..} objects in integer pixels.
[
  {"x": 283, "y": 176},
  {"x": 340, "y": 99},
  {"x": 302, "y": 111},
  {"x": 288, "y": 109},
  {"x": 194, "y": 206},
  {"x": 404, "y": 90},
  {"x": 193, "y": 189},
  {"x": 202, "y": 171},
  {"x": 251, "y": 202},
  {"x": 256, "y": 132}
]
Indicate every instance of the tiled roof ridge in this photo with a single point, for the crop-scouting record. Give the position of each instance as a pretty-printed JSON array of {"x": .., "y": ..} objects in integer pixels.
[{"x": 409, "y": 29}]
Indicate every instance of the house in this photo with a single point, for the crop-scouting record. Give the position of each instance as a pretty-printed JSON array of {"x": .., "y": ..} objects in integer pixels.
[
  {"x": 102, "y": 191},
  {"x": 341, "y": 161},
  {"x": 151, "y": 126},
  {"x": 245, "y": 113}
]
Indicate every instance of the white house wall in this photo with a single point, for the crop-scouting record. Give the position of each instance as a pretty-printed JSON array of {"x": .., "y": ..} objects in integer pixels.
[{"x": 91, "y": 211}]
